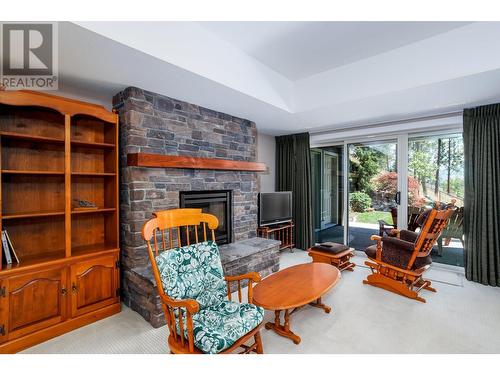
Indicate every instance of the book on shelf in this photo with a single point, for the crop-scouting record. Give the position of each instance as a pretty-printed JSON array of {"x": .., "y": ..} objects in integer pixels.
[
  {"x": 8, "y": 249},
  {"x": 9, "y": 242}
]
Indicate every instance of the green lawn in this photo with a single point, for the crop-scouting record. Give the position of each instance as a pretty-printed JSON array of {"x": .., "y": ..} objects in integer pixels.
[{"x": 372, "y": 217}]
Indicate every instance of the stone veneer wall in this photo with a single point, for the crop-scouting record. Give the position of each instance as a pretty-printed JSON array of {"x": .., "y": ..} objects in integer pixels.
[{"x": 155, "y": 123}]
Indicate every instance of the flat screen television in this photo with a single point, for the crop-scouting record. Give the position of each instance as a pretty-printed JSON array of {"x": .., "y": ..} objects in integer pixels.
[{"x": 275, "y": 208}]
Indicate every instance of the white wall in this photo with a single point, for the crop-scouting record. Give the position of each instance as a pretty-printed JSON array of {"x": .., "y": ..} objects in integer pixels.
[
  {"x": 266, "y": 153},
  {"x": 266, "y": 146},
  {"x": 89, "y": 96}
]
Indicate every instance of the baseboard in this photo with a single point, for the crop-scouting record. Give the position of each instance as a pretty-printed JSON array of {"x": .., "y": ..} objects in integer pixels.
[
  {"x": 48, "y": 333},
  {"x": 449, "y": 267}
]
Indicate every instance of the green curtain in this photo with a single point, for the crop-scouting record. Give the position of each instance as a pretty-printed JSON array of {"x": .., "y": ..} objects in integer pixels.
[
  {"x": 293, "y": 173},
  {"x": 482, "y": 194}
]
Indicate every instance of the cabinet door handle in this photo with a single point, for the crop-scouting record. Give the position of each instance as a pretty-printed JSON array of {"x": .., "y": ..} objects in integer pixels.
[
  {"x": 74, "y": 288},
  {"x": 64, "y": 291}
]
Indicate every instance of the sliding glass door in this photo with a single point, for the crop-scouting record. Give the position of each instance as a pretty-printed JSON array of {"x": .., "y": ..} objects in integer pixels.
[
  {"x": 436, "y": 173},
  {"x": 329, "y": 214},
  {"x": 389, "y": 183},
  {"x": 327, "y": 193},
  {"x": 373, "y": 190}
]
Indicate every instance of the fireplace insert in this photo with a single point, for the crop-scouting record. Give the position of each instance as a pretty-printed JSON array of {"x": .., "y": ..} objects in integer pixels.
[{"x": 215, "y": 202}]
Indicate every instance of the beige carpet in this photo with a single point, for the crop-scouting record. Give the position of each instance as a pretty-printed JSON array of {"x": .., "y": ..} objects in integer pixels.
[{"x": 461, "y": 318}]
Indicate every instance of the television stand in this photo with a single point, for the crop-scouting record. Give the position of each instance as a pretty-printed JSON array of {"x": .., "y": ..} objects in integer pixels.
[{"x": 282, "y": 232}]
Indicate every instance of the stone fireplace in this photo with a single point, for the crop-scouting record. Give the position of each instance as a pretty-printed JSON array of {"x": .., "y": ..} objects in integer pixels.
[{"x": 156, "y": 124}]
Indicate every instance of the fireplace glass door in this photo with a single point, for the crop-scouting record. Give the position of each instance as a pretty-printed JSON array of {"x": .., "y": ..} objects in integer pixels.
[{"x": 217, "y": 203}]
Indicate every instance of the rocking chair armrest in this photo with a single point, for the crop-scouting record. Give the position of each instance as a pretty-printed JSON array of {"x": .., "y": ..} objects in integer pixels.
[
  {"x": 191, "y": 305},
  {"x": 179, "y": 322},
  {"x": 253, "y": 276},
  {"x": 384, "y": 223}
]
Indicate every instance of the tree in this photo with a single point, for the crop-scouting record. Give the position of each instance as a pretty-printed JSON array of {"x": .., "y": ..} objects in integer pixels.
[
  {"x": 457, "y": 187},
  {"x": 438, "y": 166},
  {"x": 387, "y": 183},
  {"x": 364, "y": 164},
  {"x": 455, "y": 160},
  {"x": 421, "y": 164},
  {"x": 451, "y": 155},
  {"x": 431, "y": 159}
]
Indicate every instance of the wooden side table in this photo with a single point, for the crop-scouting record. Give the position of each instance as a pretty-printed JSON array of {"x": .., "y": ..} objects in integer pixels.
[{"x": 282, "y": 232}]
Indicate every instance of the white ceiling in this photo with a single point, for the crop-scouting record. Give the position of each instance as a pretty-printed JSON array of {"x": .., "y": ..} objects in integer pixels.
[
  {"x": 300, "y": 49},
  {"x": 289, "y": 76}
]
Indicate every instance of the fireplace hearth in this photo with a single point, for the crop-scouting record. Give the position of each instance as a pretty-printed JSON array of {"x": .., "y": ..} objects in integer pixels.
[{"x": 215, "y": 202}]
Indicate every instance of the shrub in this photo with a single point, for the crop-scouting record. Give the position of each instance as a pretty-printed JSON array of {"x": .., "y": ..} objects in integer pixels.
[{"x": 359, "y": 201}]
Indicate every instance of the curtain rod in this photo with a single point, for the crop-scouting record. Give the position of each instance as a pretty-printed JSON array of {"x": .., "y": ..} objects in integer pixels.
[{"x": 385, "y": 123}]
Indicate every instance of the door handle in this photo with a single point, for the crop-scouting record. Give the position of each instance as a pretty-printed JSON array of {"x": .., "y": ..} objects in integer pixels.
[
  {"x": 397, "y": 198},
  {"x": 74, "y": 288}
]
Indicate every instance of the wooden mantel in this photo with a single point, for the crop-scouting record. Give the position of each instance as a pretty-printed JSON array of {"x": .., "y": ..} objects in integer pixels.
[{"x": 142, "y": 159}]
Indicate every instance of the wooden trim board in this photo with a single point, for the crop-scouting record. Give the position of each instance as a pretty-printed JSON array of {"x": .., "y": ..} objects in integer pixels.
[
  {"x": 45, "y": 334},
  {"x": 142, "y": 159},
  {"x": 63, "y": 105}
]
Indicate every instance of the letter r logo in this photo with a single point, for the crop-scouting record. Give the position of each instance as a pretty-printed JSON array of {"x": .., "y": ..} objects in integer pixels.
[{"x": 27, "y": 49}]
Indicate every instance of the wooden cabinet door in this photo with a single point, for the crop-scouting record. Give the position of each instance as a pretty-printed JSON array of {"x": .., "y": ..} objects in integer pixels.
[
  {"x": 33, "y": 301},
  {"x": 94, "y": 284}
]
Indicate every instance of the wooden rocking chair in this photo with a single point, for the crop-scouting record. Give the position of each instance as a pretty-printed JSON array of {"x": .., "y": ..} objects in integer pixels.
[
  {"x": 194, "y": 317},
  {"x": 398, "y": 263}
]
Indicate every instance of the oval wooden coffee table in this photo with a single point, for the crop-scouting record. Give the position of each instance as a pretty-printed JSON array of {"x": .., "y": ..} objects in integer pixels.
[{"x": 293, "y": 288}]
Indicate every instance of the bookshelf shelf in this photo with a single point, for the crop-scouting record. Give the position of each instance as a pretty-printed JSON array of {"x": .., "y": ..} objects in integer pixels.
[
  {"x": 30, "y": 261},
  {"x": 54, "y": 151},
  {"x": 93, "y": 174},
  {"x": 24, "y": 215},
  {"x": 92, "y": 144},
  {"x": 30, "y": 137},
  {"x": 91, "y": 249},
  {"x": 92, "y": 211},
  {"x": 46, "y": 173}
]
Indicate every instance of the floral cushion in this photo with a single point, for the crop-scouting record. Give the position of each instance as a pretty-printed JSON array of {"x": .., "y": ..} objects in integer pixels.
[
  {"x": 195, "y": 271},
  {"x": 217, "y": 328}
]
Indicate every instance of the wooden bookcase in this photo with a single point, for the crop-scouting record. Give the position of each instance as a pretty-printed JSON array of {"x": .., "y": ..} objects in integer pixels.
[{"x": 54, "y": 150}]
